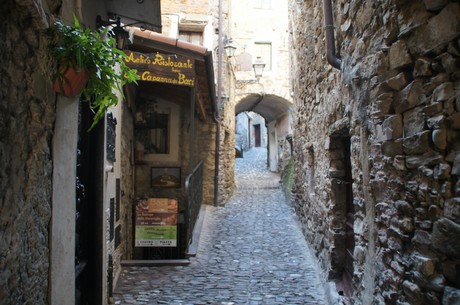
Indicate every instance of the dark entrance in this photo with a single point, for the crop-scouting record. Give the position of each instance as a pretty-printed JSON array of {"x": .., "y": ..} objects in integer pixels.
[
  {"x": 341, "y": 174},
  {"x": 88, "y": 239},
  {"x": 349, "y": 231},
  {"x": 257, "y": 135}
]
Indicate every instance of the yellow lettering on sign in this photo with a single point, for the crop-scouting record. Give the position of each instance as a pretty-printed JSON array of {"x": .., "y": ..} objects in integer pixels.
[
  {"x": 139, "y": 60},
  {"x": 185, "y": 81},
  {"x": 181, "y": 79},
  {"x": 161, "y": 61}
]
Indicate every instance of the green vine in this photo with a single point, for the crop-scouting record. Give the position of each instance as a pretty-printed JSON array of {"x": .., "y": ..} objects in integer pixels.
[{"x": 95, "y": 51}]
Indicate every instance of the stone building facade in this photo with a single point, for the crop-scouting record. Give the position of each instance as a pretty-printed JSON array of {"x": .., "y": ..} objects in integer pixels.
[
  {"x": 377, "y": 147},
  {"x": 259, "y": 32},
  {"x": 27, "y": 114},
  {"x": 48, "y": 254}
]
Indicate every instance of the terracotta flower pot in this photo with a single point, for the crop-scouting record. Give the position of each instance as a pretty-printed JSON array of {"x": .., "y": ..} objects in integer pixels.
[{"x": 71, "y": 82}]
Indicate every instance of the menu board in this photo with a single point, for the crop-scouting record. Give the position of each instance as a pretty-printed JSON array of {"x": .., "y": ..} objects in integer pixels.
[{"x": 156, "y": 222}]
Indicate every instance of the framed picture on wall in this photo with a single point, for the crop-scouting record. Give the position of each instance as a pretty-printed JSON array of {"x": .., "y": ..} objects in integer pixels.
[{"x": 165, "y": 177}]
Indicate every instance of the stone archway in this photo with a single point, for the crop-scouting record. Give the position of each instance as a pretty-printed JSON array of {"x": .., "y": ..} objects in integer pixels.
[{"x": 276, "y": 112}]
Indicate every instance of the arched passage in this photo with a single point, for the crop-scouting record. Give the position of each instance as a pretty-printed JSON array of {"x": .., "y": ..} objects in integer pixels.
[{"x": 276, "y": 112}]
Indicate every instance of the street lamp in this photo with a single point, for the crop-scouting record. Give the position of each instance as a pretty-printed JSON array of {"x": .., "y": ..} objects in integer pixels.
[
  {"x": 229, "y": 48},
  {"x": 258, "y": 67},
  {"x": 121, "y": 35}
]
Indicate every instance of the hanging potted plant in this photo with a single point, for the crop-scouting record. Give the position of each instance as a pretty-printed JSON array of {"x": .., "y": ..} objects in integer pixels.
[{"x": 87, "y": 62}]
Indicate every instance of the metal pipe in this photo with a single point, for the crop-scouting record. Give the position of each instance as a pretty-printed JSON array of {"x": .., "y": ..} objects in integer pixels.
[
  {"x": 219, "y": 102},
  {"x": 331, "y": 56}
]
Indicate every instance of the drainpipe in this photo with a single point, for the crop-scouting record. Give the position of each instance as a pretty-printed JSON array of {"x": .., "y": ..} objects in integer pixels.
[
  {"x": 331, "y": 56},
  {"x": 219, "y": 103}
]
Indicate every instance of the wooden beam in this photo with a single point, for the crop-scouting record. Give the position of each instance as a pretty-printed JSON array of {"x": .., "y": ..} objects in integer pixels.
[{"x": 199, "y": 101}]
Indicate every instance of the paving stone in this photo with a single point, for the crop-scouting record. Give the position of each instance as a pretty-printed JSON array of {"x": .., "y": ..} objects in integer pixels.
[{"x": 251, "y": 252}]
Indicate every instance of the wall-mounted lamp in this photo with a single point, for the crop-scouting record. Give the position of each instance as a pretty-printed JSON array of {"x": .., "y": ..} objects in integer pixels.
[
  {"x": 229, "y": 48},
  {"x": 258, "y": 67},
  {"x": 121, "y": 35}
]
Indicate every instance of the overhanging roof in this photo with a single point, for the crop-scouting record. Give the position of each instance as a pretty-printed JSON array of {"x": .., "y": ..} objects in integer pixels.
[{"x": 146, "y": 41}]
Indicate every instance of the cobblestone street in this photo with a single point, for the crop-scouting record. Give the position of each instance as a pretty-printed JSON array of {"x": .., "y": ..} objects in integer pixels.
[{"x": 251, "y": 252}]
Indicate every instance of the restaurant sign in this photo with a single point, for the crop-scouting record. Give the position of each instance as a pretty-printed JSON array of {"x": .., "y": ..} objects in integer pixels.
[
  {"x": 156, "y": 222},
  {"x": 162, "y": 68}
]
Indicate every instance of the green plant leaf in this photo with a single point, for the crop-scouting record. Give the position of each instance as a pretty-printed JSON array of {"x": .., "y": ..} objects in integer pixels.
[{"x": 95, "y": 51}]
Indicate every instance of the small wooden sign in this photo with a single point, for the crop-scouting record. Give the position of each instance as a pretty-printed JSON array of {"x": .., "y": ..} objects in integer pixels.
[{"x": 163, "y": 68}]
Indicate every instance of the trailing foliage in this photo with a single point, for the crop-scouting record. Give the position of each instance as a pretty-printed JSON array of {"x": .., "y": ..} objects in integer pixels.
[{"x": 95, "y": 51}]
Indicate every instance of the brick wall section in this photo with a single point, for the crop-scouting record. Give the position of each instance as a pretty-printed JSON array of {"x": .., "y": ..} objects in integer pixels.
[
  {"x": 397, "y": 98},
  {"x": 27, "y": 106}
]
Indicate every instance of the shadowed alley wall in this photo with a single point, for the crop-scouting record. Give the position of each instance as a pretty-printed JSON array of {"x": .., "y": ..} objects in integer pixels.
[{"x": 385, "y": 127}]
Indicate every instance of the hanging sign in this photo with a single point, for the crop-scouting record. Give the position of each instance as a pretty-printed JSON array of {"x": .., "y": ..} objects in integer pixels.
[
  {"x": 156, "y": 223},
  {"x": 163, "y": 68}
]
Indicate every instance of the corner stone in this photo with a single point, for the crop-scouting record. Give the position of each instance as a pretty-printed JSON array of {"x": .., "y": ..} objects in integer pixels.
[{"x": 445, "y": 237}]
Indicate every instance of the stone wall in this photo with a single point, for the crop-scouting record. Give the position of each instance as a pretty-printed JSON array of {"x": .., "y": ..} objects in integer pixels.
[
  {"x": 27, "y": 105},
  {"x": 396, "y": 100}
]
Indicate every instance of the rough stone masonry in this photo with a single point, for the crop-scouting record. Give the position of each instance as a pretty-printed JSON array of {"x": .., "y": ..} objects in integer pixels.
[
  {"x": 27, "y": 113},
  {"x": 392, "y": 113}
]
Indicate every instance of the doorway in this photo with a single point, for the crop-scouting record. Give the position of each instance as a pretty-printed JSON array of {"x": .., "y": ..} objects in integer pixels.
[
  {"x": 350, "y": 215},
  {"x": 342, "y": 192},
  {"x": 257, "y": 140},
  {"x": 88, "y": 225}
]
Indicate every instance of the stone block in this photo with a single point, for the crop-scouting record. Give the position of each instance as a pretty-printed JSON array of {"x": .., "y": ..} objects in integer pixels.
[
  {"x": 440, "y": 138},
  {"x": 426, "y": 171},
  {"x": 437, "y": 33},
  {"x": 382, "y": 105},
  {"x": 399, "y": 55},
  {"x": 452, "y": 209},
  {"x": 392, "y": 127},
  {"x": 428, "y": 158},
  {"x": 380, "y": 89},
  {"x": 414, "y": 121},
  {"x": 412, "y": 290},
  {"x": 448, "y": 106},
  {"x": 392, "y": 148},
  {"x": 434, "y": 212},
  {"x": 421, "y": 237},
  {"x": 456, "y": 165},
  {"x": 422, "y": 68},
  {"x": 406, "y": 225},
  {"x": 451, "y": 296},
  {"x": 404, "y": 207},
  {"x": 435, "y": 5},
  {"x": 453, "y": 121},
  {"x": 449, "y": 62},
  {"x": 442, "y": 171},
  {"x": 424, "y": 224},
  {"x": 442, "y": 93},
  {"x": 444, "y": 237},
  {"x": 398, "y": 82},
  {"x": 418, "y": 143},
  {"x": 446, "y": 189},
  {"x": 436, "y": 122},
  {"x": 425, "y": 265},
  {"x": 433, "y": 109},
  {"x": 411, "y": 96},
  {"x": 451, "y": 270},
  {"x": 399, "y": 162}
]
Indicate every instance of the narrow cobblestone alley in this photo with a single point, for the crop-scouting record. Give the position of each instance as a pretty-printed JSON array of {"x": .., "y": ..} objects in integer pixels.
[{"x": 251, "y": 252}]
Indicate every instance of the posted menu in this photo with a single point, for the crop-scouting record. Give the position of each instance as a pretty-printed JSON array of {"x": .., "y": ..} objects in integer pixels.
[{"x": 156, "y": 222}]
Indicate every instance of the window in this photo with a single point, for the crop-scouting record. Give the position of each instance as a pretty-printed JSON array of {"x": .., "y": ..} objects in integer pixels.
[
  {"x": 263, "y": 4},
  {"x": 155, "y": 137},
  {"x": 156, "y": 131},
  {"x": 191, "y": 36},
  {"x": 264, "y": 51}
]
